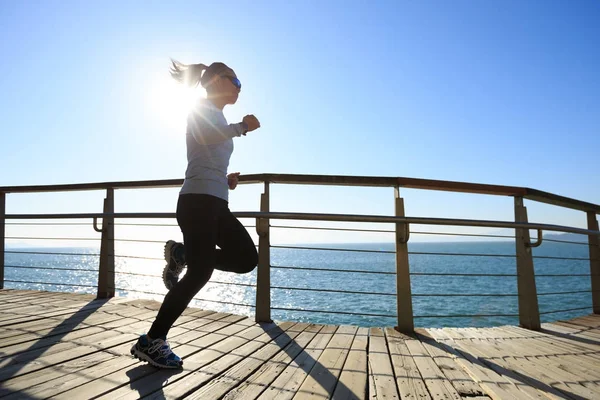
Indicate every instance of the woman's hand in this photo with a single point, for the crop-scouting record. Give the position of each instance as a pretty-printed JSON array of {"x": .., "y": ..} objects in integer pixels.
[
  {"x": 232, "y": 180},
  {"x": 252, "y": 122}
]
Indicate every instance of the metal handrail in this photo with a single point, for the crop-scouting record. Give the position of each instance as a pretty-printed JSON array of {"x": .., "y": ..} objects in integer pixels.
[
  {"x": 337, "y": 180},
  {"x": 332, "y": 217}
]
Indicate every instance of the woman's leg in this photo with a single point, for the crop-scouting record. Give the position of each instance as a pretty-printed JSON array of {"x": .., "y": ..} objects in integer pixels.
[
  {"x": 238, "y": 252},
  {"x": 198, "y": 217}
]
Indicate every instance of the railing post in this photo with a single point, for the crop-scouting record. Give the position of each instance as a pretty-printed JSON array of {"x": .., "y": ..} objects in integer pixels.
[
  {"x": 403, "y": 290},
  {"x": 263, "y": 275},
  {"x": 106, "y": 270},
  {"x": 529, "y": 312},
  {"x": 594, "y": 245},
  {"x": 2, "y": 236}
]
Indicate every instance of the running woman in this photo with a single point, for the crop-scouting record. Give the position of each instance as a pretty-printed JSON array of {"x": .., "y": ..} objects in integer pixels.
[{"x": 202, "y": 208}]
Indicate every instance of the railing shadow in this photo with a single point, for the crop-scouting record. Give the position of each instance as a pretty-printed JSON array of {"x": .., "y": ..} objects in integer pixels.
[
  {"x": 324, "y": 377},
  {"x": 139, "y": 375},
  {"x": 34, "y": 352},
  {"x": 518, "y": 376},
  {"x": 571, "y": 337}
]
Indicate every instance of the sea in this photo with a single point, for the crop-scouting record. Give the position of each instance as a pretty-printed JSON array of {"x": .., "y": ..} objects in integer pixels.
[{"x": 317, "y": 283}]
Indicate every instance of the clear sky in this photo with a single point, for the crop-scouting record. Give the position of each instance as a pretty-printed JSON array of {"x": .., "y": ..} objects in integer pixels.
[{"x": 479, "y": 91}]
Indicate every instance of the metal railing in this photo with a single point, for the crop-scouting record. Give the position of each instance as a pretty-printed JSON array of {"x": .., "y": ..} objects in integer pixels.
[{"x": 526, "y": 290}]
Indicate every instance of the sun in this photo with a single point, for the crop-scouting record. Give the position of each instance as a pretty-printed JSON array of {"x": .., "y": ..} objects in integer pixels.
[{"x": 170, "y": 102}]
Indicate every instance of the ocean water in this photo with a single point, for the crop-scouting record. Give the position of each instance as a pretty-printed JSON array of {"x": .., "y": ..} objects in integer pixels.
[{"x": 138, "y": 276}]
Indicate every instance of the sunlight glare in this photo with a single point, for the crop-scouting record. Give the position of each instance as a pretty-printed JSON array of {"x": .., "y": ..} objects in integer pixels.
[{"x": 170, "y": 102}]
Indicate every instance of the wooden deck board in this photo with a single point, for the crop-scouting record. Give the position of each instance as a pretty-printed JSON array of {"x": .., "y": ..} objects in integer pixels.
[
  {"x": 63, "y": 345},
  {"x": 382, "y": 381}
]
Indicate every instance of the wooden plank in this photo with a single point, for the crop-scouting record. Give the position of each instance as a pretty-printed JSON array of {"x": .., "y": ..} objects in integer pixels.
[
  {"x": 546, "y": 344},
  {"x": 36, "y": 384},
  {"x": 323, "y": 377},
  {"x": 408, "y": 378},
  {"x": 47, "y": 330},
  {"x": 20, "y": 364},
  {"x": 531, "y": 372},
  {"x": 217, "y": 387},
  {"x": 104, "y": 375},
  {"x": 458, "y": 377},
  {"x": 146, "y": 379},
  {"x": 120, "y": 359},
  {"x": 292, "y": 377},
  {"x": 260, "y": 380},
  {"x": 439, "y": 387},
  {"x": 45, "y": 342},
  {"x": 558, "y": 355},
  {"x": 58, "y": 313},
  {"x": 88, "y": 313},
  {"x": 211, "y": 362},
  {"x": 353, "y": 381},
  {"x": 496, "y": 386},
  {"x": 382, "y": 382},
  {"x": 569, "y": 335}
]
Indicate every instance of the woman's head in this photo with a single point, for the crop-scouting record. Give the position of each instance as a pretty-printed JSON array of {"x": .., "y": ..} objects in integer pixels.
[{"x": 218, "y": 79}]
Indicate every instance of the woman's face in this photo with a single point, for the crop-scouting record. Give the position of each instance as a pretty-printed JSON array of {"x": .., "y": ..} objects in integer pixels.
[{"x": 228, "y": 86}]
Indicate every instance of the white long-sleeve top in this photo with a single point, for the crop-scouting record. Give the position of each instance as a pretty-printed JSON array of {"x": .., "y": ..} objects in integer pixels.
[{"x": 209, "y": 140}]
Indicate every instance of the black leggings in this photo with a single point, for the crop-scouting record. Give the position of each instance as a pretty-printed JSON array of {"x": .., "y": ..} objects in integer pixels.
[{"x": 205, "y": 222}]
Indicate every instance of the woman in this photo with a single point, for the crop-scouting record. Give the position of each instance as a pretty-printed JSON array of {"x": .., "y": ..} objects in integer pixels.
[{"x": 202, "y": 208}]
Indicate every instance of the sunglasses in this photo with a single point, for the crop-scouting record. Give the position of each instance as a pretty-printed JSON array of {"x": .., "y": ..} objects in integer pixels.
[{"x": 236, "y": 82}]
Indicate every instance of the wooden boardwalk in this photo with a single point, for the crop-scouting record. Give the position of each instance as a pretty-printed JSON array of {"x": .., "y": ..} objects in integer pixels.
[{"x": 71, "y": 346}]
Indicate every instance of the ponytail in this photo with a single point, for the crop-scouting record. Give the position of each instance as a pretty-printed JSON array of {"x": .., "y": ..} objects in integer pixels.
[{"x": 188, "y": 74}]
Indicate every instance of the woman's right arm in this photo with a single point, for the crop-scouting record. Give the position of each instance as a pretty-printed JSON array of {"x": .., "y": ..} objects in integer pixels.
[{"x": 206, "y": 128}]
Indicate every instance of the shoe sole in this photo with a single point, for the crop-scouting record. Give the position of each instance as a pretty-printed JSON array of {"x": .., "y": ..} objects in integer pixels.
[
  {"x": 144, "y": 357},
  {"x": 167, "y": 255},
  {"x": 168, "y": 247}
]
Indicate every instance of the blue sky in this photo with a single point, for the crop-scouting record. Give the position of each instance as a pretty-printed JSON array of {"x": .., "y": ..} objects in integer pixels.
[{"x": 490, "y": 92}]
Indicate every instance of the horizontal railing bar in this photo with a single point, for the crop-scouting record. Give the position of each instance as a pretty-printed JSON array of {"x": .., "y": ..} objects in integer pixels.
[
  {"x": 47, "y": 238},
  {"x": 388, "y": 231},
  {"x": 332, "y": 249},
  {"x": 562, "y": 258},
  {"x": 333, "y": 312},
  {"x": 466, "y": 315},
  {"x": 139, "y": 241},
  {"x": 195, "y": 298},
  {"x": 453, "y": 274},
  {"x": 127, "y": 224},
  {"x": 394, "y": 294},
  {"x": 333, "y": 270},
  {"x": 53, "y": 254},
  {"x": 318, "y": 228},
  {"x": 330, "y": 217},
  {"x": 233, "y": 283},
  {"x": 557, "y": 200},
  {"x": 332, "y": 291},
  {"x": 154, "y": 184},
  {"x": 461, "y": 234},
  {"x": 51, "y": 268},
  {"x": 557, "y": 275},
  {"x": 137, "y": 274},
  {"x": 339, "y": 180},
  {"x": 141, "y": 257},
  {"x": 570, "y": 309},
  {"x": 465, "y": 294},
  {"x": 160, "y": 276},
  {"x": 392, "y": 251},
  {"x": 50, "y": 223},
  {"x": 563, "y": 241},
  {"x": 559, "y": 293},
  {"x": 461, "y": 254},
  {"x": 335, "y": 180},
  {"x": 51, "y": 283}
]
